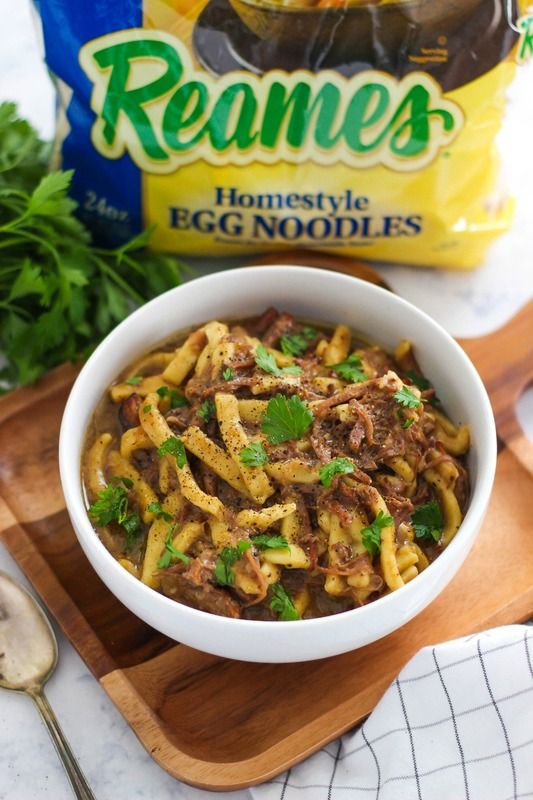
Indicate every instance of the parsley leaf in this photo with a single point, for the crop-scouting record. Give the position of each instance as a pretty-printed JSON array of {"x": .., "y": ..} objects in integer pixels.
[
  {"x": 423, "y": 384},
  {"x": 171, "y": 552},
  {"x": 224, "y": 574},
  {"x": 159, "y": 512},
  {"x": 285, "y": 419},
  {"x": 60, "y": 293},
  {"x": 349, "y": 370},
  {"x": 408, "y": 422},
  {"x": 207, "y": 410},
  {"x": 112, "y": 506},
  {"x": 371, "y": 535},
  {"x": 128, "y": 483},
  {"x": 428, "y": 521},
  {"x": 338, "y": 466},
  {"x": 418, "y": 380},
  {"x": 173, "y": 447},
  {"x": 266, "y": 542},
  {"x": 267, "y": 363},
  {"x": 282, "y": 603},
  {"x": 406, "y": 398},
  {"x": 132, "y": 526},
  {"x": 228, "y": 374},
  {"x": 147, "y": 408},
  {"x": 254, "y": 455},
  {"x": 297, "y": 344},
  {"x": 134, "y": 380},
  {"x": 177, "y": 400}
]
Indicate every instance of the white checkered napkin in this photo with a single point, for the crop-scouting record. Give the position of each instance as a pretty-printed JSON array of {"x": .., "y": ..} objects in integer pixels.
[{"x": 457, "y": 724}]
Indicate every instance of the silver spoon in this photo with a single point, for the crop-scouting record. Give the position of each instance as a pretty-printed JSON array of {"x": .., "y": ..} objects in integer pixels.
[{"x": 28, "y": 656}]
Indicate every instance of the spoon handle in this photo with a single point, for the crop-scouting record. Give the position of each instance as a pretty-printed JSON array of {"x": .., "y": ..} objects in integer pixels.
[{"x": 76, "y": 777}]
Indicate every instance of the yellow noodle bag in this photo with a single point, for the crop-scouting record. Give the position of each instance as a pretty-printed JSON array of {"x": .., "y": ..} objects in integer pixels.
[{"x": 238, "y": 126}]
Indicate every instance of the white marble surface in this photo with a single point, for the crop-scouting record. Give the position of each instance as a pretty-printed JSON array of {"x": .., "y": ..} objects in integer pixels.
[{"x": 467, "y": 304}]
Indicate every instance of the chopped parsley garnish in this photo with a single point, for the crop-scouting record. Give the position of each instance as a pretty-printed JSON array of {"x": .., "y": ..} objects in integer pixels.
[
  {"x": 253, "y": 455},
  {"x": 423, "y": 384},
  {"x": 128, "y": 483},
  {"x": 173, "y": 447},
  {"x": 349, "y": 370},
  {"x": 406, "y": 398},
  {"x": 282, "y": 603},
  {"x": 134, "y": 380},
  {"x": 228, "y": 374},
  {"x": 224, "y": 573},
  {"x": 408, "y": 422},
  {"x": 267, "y": 363},
  {"x": 147, "y": 408},
  {"x": 427, "y": 521},
  {"x": 112, "y": 506},
  {"x": 207, "y": 410},
  {"x": 285, "y": 419},
  {"x": 171, "y": 552},
  {"x": 266, "y": 542},
  {"x": 297, "y": 343},
  {"x": 176, "y": 399},
  {"x": 132, "y": 526},
  {"x": 418, "y": 380},
  {"x": 371, "y": 534},
  {"x": 159, "y": 512},
  {"x": 338, "y": 466},
  {"x": 112, "y": 503}
]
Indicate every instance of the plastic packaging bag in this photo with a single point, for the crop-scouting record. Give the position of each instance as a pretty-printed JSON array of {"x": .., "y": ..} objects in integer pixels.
[{"x": 239, "y": 126}]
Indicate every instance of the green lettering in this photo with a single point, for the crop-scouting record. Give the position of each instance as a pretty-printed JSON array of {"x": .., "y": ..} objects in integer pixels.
[
  {"x": 119, "y": 99},
  {"x": 412, "y": 136},
  {"x": 301, "y": 111},
  {"x": 525, "y": 47},
  {"x": 174, "y": 119},
  {"x": 359, "y": 118},
  {"x": 222, "y": 115}
]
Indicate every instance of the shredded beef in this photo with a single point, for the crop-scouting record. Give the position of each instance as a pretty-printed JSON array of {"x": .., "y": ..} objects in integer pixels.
[
  {"x": 192, "y": 586},
  {"x": 128, "y": 412}
]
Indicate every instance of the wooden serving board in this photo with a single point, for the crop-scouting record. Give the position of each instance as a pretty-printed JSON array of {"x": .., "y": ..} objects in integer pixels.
[{"x": 221, "y": 724}]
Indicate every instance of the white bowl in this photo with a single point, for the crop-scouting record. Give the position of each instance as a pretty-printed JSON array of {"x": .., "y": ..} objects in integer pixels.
[{"x": 313, "y": 294}]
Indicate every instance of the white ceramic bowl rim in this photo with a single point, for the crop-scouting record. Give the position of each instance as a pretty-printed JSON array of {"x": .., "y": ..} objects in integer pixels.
[{"x": 70, "y": 436}]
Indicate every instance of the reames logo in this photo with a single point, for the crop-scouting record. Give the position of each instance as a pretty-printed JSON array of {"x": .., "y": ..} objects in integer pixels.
[{"x": 151, "y": 102}]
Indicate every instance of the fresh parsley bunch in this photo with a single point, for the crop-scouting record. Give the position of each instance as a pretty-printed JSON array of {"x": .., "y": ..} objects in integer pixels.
[{"x": 59, "y": 295}]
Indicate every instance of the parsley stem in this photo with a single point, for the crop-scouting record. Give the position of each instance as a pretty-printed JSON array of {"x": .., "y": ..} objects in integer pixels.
[
  {"x": 12, "y": 268},
  {"x": 5, "y": 243},
  {"x": 16, "y": 309},
  {"x": 7, "y": 226},
  {"x": 15, "y": 193},
  {"x": 47, "y": 246},
  {"x": 116, "y": 278},
  {"x": 126, "y": 259}
]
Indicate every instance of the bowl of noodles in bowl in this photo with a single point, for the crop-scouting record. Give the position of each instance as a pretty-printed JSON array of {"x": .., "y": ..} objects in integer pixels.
[{"x": 277, "y": 463}]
